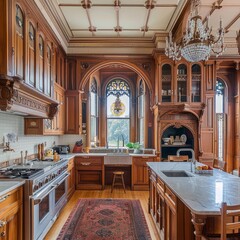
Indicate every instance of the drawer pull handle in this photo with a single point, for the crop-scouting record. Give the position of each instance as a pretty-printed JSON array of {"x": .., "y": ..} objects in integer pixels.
[
  {"x": 4, "y": 198},
  {"x": 85, "y": 163},
  {"x": 2, "y": 223},
  {"x": 85, "y": 157}
]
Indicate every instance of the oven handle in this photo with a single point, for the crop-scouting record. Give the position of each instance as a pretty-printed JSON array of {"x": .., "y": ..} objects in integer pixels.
[
  {"x": 38, "y": 199},
  {"x": 66, "y": 175}
]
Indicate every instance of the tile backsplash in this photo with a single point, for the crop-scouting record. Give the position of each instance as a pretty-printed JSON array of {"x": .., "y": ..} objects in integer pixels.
[{"x": 10, "y": 123}]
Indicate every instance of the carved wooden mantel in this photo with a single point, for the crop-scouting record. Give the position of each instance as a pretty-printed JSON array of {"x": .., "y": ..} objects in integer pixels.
[{"x": 16, "y": 96}]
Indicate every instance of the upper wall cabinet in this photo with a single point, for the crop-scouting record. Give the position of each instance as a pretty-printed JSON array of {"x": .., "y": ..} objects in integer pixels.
[{"x": 181, "y": 83}]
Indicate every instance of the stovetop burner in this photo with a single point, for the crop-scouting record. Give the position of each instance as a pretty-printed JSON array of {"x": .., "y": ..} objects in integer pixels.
[{"x": 20, "y": 172}]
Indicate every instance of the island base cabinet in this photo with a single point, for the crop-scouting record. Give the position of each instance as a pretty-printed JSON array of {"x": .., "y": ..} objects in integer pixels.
[{"x": 171, "y": 217}]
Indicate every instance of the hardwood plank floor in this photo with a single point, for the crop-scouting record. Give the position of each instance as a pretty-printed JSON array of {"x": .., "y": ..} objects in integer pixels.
[{"x": 117, "y": 193}]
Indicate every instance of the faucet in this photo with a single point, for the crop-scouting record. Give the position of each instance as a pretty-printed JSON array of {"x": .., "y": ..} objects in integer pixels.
[
  {"x": 193, "y": 160},
  {"x": 118, "y": 139}
]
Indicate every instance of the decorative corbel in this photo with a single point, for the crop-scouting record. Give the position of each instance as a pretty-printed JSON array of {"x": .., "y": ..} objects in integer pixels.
[
  {"x": 6, "y": 94},
  {"x": 54, "y": 107}
]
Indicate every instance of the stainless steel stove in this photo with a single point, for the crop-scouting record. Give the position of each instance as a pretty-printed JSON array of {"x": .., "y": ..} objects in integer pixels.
[{"x": 45, "y": 194}]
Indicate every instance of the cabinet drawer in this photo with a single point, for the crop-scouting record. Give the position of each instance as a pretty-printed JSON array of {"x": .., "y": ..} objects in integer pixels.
[
  {"x": 160, "y": 186},
  {"x": 171, "y": 198},
  {"x": 84, "y": 161}
]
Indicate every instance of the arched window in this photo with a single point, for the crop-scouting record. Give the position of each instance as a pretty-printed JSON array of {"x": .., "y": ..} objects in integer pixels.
[
  {"x": 220, "y": 118},
  {"x": 118, "y": 112},
  {"x": 141, "y": 112},
  {"x": 94, "y": 112}
]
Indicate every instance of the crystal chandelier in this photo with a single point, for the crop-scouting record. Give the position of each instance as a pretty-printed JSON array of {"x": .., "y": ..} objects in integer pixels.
[{"x": 198, "y": 42}]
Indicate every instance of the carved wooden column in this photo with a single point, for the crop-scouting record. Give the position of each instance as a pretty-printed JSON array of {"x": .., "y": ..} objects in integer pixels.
[{"x": 198, "y": 222}]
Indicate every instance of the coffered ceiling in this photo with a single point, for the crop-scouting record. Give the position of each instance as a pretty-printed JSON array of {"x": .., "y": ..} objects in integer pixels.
[{"x": 130, "y": 26}]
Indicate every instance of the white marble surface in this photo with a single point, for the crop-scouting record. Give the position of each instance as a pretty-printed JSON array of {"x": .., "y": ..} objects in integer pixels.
[
  {"x": 7, "y": 186},
  {"x": 202, "y": 194},
  {"x": 112, "y": 158}
]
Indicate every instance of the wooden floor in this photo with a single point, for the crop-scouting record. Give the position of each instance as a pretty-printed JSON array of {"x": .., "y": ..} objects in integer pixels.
[{"x": 117, "y": 193}]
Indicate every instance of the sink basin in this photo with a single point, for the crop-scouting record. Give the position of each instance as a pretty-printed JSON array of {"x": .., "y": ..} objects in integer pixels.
[
  {"x": 176, "y": 173},
  {"x": 123, "y": 154}
]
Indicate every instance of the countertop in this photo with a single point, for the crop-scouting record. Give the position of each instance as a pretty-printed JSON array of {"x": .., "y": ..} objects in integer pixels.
[
  {"x": 70, "y": 155},
  {"x": 202, "y": 194},
  {"x": 7, "y": 186}
]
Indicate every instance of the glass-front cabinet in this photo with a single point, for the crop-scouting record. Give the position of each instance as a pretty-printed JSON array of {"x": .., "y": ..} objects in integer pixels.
[
  {"x": 181, "y": 83},
  {"x": 166, "y": 83},
  {"x": 196, "y": 83}
]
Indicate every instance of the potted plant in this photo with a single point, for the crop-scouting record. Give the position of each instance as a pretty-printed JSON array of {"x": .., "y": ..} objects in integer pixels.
[{"x": 135, "y": 146}]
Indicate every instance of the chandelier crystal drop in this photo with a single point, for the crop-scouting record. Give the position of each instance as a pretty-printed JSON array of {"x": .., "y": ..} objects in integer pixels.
[{"x": 198, "y": 42}]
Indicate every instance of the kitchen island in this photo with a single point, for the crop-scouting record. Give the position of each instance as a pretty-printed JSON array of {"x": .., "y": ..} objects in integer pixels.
[{"x": 175, "y": 202}]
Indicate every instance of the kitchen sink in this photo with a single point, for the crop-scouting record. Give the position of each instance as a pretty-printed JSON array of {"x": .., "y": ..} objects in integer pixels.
[{"x": 177, "y": 173}]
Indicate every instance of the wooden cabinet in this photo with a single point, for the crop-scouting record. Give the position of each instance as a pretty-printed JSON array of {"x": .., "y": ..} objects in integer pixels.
[
  {"x": 140, "y": 178},
  {"x": 73, "y": 112},
  {"x": 11, "y": 215},
  {"x": 89, "y": 172},
  {"x": 181, "y": 82},
  {"x": 171, "y": 217},
  {"x": 55, "y": 126},
  {"x": 71, "y": 178}
]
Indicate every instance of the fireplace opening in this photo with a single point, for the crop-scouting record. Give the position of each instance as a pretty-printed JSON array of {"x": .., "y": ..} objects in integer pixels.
[{"x": 174, "y": 138}]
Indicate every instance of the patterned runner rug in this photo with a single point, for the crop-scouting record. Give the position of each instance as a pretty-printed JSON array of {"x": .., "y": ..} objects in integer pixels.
[{"x": 106, "y": 219}]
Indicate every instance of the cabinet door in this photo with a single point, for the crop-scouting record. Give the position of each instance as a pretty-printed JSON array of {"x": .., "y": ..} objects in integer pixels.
[
  {"x": 73, "y": 112},
  {"x": 71, "y": 178},
  {"x": 167, "y": 83},
  {"x": 182, "y": 90},
  {"x": 196, "y": 83},
  {"x": 140, "y": 170},
  {"x": 171, "y": 215}
]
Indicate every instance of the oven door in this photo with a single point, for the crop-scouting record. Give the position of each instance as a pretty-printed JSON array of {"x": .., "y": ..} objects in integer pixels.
[
  {"x": 43, "y": 205},
  {"x": 60, "y": 194},
  {"x": 41, "y": 210}
]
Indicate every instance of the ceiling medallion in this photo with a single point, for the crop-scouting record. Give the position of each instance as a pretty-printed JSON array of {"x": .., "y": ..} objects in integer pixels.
[
  {"x": 86, "y": 4},
  {"x": 198, "y": 42},
  {"x": 92, "y": 29},
  {"x": 150, "y": 4},
  {"x": 118, "y": 29}
]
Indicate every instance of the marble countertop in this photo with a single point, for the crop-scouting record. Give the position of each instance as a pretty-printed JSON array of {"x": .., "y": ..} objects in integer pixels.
[
  {"x": 70, "y": 155},
  {"x": 7, "y": 186},
  {"x": 202, "y": 194}
]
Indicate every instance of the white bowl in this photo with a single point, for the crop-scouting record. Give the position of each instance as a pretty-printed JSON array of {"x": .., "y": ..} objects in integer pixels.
[{"x": 166, "y": 140}]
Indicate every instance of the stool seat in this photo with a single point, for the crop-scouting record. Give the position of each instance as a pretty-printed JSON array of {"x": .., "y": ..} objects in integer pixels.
[{"x": 118, "y": 175}]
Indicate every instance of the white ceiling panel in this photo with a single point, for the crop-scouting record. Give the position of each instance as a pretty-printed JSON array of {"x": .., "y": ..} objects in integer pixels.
[
  {"x": 69, "y": 1},
  {"x": 160, "y": 18},
  {"x": 109, "y": 2},
  {"x": 76, "y": 17},
  {"x": 133, "y": 34},
  {"x": 106, "y": 34},
  {"x": 98, "y": 17},
  {"x": 139, "y": 2},
  {"x": 132, "y": 18}
]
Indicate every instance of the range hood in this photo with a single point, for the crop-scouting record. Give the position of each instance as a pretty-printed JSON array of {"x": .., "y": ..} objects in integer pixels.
[{"x": 18, "y": 98}]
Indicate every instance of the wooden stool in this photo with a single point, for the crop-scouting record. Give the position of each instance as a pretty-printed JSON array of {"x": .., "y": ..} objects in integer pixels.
[{"x": 118, "y": 175}]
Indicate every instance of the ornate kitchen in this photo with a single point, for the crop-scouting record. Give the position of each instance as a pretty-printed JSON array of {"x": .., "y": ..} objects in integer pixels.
[{"x": 158, "y": 104}]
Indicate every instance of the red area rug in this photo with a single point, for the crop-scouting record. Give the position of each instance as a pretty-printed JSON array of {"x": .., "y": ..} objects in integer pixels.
[{"x": 108, "y": 219}]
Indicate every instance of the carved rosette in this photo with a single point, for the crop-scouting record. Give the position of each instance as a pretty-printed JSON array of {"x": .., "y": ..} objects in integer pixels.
[{"x": 6, "y": 94}]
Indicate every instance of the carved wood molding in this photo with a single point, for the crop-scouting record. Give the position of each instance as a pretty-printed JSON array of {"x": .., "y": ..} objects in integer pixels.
[
  {"x": 197, "y": 110},
  {"x": 6, "y": 94},
  {"x": 15, "y": 96}
]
